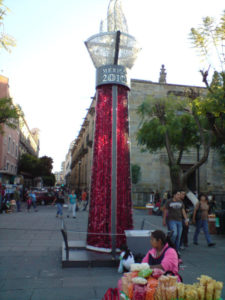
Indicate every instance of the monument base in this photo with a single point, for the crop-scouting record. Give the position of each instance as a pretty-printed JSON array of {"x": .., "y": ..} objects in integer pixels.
[{"x": 80, "y": 257}]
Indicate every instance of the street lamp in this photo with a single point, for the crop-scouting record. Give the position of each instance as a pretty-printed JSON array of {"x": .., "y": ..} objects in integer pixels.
[
  {"x": 198, "y": 144},
  {"x": 79, "y": 164},
  {"x": 113, "y": 52}
]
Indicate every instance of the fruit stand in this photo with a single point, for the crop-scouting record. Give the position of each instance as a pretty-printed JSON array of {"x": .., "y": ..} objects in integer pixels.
[{"x": 142, "y": 283}]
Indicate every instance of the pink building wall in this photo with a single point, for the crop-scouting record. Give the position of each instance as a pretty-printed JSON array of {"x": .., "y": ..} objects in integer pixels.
[{"x": 9, "y": 141}]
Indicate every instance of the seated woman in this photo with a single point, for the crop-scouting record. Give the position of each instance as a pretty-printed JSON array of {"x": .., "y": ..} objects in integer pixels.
[{"x": 162, "y": 255}]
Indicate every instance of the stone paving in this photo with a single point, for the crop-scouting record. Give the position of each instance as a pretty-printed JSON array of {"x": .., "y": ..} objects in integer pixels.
[{"x": 30, "y": 258}]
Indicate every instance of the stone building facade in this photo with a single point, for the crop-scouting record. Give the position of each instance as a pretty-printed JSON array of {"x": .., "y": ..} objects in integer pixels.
[
  {"x": 9, "y": 142},
  {"x": 67, "y": 165},
  {"x": 154, "y": 171},
  {"x": 29, "y": 139},
  {"x": 15, "y": 142},
  {"x": 82, "y": 153}
]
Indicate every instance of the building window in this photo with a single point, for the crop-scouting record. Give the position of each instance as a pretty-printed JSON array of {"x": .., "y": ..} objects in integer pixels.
[
  {"x": 11, "y": 168},
  {"x": 13, "y": 144},
  {"x": 15, "y": 169},
  {"x": 7, "y": 166},
  {"x": 9, "y": 144},
  {"x": 16, "y": 150}
]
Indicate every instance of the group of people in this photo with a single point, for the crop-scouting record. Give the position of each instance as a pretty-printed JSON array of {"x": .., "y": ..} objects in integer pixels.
[
  {"x": 73, "y": 201},
  {"x": 29, "y": 197},
  {"x": 164, "y": 254},
  {"x": 9, "y": 200},
  {"x": 175, "y": 217}
]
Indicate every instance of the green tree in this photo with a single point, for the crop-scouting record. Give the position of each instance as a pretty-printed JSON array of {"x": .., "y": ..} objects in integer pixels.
[
  {"x": 37, "y": 167},
  {"x": 209, "y": 40},
  {"x": 49, "y": 180},
  {"x": 46, "y": 164},
  {"x": 6, "y": 41},
  {"x": 136, "y": 173},
  {"x": 9, "y": 113},
  {"x": 173, "y": 124},
  {"x": 28, "y": 164}
]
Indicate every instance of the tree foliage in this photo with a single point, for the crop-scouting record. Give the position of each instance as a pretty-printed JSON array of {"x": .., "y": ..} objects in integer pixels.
[
  {"x": 6, "y": 41},
  {"x": 29, "y": 164},
  {"x": 209, "y": 40},
  {"x": 9, "y": 113},
  {"x": 49, "y": 180},
  {"x": 173, "y": 124},
  {"x": 136, "y": 173},
  {"x": 37, "y": 166}
]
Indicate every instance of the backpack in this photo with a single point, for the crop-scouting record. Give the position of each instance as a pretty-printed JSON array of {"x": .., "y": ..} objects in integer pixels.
[{"x": 112, "y": 294}]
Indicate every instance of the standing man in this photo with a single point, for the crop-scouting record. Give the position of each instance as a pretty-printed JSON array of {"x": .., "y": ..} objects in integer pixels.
[
  {"x": 17, "y": 199},
  {"x": 187, "y": 204},
  {"x": 174, "y": 210}
]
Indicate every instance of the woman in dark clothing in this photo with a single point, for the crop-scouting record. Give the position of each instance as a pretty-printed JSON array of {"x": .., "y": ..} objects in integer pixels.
[{"x": 200, "y": 218}]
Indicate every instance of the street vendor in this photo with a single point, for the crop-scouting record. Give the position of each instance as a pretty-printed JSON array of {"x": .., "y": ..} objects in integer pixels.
[{"x": 162, "y": 255}]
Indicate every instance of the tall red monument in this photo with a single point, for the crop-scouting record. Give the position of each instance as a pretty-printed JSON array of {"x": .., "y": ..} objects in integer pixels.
[{"x": 113, "y": 52}]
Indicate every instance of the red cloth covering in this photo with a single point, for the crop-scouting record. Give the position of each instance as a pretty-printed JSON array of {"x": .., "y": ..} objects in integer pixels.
[
  {"x": 100, "y": 199},
  {"x": 124, "y": 205}
]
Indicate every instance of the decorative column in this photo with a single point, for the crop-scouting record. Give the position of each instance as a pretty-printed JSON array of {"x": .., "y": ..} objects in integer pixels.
[{"x": 112, "y": 52}]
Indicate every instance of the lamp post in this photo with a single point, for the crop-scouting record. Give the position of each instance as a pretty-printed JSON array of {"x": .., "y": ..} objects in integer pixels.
[
  {"x": 198, "y": 171},
  {"x": 113, "y": 52},
  {"x": 79, "y": 164}
]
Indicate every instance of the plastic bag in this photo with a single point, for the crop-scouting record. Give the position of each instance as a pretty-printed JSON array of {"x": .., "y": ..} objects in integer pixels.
[
  {"x": 150, "y": 292},
  {"x": 157, "y": 273},
  {"x": 145, "y": 273},
  {"x": 120, "y": 268},
  {"x": 139, "y": 267},
  {"x": 139, "y": 292},
  {"x": 125, "y": 283},
  {"x": 130, "y": 290},
  {"x": 139, "y": 280}
]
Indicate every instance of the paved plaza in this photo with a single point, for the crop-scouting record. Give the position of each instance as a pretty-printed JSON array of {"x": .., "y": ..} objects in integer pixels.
[{"x": 30, "y": 258}]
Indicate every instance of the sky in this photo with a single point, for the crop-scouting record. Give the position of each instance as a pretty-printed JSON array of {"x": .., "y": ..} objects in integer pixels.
[{"x": 52, "y": 76}]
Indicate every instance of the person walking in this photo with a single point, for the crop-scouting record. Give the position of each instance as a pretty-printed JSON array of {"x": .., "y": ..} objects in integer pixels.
[
  {"x": 3, "y": 207},
  {"x": 187, "y": 205},
  {"x": 174, "y": 210},
  {"x": 84, "y": 200},
  {"x": 17, "y": 199},
  {"x": 59, "y": 200},
  {"x": 32, "y": 201},
  {"x": 72, "y": 202},
  {"x": 200, "y": 218}
]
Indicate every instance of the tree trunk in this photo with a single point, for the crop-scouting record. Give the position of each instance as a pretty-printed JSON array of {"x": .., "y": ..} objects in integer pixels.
[{"x": 176, "y": 177}]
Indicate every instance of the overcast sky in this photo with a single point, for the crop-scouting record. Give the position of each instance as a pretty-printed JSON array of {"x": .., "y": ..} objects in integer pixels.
[{"x": 51, "y": 74}]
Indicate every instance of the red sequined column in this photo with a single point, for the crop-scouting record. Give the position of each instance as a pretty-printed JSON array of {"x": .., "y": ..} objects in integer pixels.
[
  {"x": 124, "y": 205},
  {"x": 100, "y": 201}
]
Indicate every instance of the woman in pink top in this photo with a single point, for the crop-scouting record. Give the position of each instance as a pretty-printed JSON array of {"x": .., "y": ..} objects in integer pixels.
[{"x": 162, "y": 255}]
